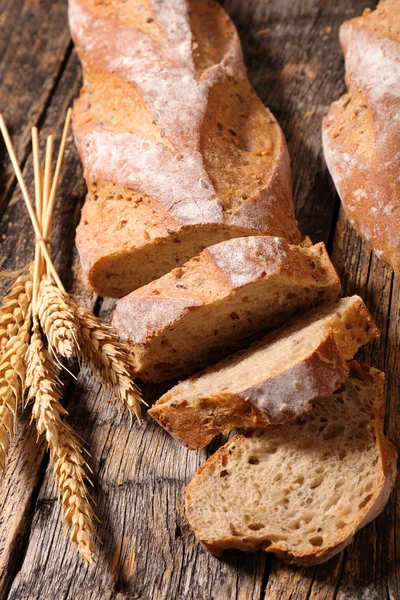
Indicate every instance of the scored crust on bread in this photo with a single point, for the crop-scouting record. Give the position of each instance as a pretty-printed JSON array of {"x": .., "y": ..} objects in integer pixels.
[
  {"x": 272, "y": 381},
  {"x": 210, "y": 306},
  {"x": 302, "y": 489},
  {"x": 361, "y": 133},
  {"x": 179, "y": 153}
]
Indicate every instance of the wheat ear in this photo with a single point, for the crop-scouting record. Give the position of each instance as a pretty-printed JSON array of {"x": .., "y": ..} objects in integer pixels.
[
  {"x": 14, "y": 308},
  {"x": 12, "y": 383},
  {"x": 64, "y": 446},
  {"x": 109, "y": 360},
  {"x": 57, "y": 319}
]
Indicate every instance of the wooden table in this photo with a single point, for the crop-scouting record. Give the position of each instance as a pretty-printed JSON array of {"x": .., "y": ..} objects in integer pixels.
[{"x": 292, "y": 52}]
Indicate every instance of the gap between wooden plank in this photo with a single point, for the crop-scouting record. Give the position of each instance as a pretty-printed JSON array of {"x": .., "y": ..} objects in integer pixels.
[{"x": 36, "y": 55}]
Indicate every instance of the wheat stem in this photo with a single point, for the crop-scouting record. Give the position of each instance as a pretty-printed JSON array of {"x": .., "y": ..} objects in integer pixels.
[{"x": 63, "y": 443}]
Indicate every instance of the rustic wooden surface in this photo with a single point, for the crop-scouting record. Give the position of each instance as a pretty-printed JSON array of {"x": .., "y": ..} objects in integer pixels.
[{"x": 292, "y": 52}]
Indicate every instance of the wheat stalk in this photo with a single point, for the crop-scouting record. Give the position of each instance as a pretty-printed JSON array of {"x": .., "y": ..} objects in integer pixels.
[
  {"x": 57, "y": 319},
  {"x": 109, "y": 360},
  {"x": 64, "y": 446},
  {"x": 14, "y": 308},
  {"x": 12, "y": 383}
]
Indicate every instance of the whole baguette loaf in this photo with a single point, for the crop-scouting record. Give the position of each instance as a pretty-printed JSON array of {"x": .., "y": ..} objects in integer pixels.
[
  {"x": 302, "y": 489},
  {"x": 361, "y": 134},
  {"x": 179, "y": 152},
  {"x": 272, "y": 381},
  {"x": 219, "y": 300}
]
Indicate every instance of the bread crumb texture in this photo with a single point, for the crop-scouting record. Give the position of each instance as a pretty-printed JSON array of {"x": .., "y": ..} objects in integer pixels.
[{"x": 304, "y": 488}]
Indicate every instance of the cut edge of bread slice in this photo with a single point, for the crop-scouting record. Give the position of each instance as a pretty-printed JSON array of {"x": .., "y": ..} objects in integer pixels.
[
  {"x": 272, "y": 381},
  {"x": 219, "y": 301},
  {"x": 303, "y": 489}
]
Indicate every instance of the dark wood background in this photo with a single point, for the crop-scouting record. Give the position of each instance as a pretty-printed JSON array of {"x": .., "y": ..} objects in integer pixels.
[{"x": 292, "y": 52}]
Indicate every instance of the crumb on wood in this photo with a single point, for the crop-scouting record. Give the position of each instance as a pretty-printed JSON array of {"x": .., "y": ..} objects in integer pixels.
[
  {"x": 263, "y": 32},
  {"x": 309, "y": 114},
  {"x": 310, "y": 73}
]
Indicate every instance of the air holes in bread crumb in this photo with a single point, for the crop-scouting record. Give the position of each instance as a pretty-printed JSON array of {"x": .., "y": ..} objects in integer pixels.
[
  {"x": 253, "y": 460},
  {"x": 278, "y": 476},
  {"x": 256, "y": 526},
  {"x": 316, "y": 482},
  {"x": 317, "y": 540},
  {"x": 365, "y": 501},
  {"x": 333, "y": 431}
]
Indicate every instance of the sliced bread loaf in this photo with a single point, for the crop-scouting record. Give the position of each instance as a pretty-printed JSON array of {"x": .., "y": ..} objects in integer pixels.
[
  {"x": 272, "y": 381},
  {"x": 204, "y": 310},
  {"x": 178, "y": 150},
  {"x": 303, "y": 489}
]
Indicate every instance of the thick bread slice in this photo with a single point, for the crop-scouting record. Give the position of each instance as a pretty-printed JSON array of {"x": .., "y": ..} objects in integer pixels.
[
  {"x": 361, "y": 133},
  {"x": 272, "y": 381},
  {"x": 178, "y": 150},
  {"x": 303, "y": 489},
  {"x": 206, "y": 309}
]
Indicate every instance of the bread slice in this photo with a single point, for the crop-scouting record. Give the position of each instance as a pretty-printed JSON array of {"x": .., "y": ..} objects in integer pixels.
[
  {"x": 193, "y": 316},
  {"x": 303, "y": 489},
  {"x": 178, "y": 150},
  {"x": 272, "y": 381}
]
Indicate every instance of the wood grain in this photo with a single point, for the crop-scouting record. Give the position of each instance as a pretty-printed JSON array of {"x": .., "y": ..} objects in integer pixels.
[
  {"x": 34, "y": 46},
  {"x": 148, "y": 551}
]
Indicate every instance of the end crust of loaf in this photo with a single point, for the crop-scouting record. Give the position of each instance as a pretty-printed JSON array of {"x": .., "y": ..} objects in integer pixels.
[
  {"x": 300, "y": 490},
  {"x": 271, "y": 382},
  {"x": 362, "y": 130},
  {"x": 218, "y": 301},
  {"x": 178, "y": 150}
]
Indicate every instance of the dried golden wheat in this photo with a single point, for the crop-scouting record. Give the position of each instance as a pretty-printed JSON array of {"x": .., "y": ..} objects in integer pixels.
[
  {"x": 14, "y": 308},
  {"x": 57, "y": 319},
  {"x": 64, "y": 446},
  {"x": 12, "y": 383},
  {"x": 109, "y": 360}
]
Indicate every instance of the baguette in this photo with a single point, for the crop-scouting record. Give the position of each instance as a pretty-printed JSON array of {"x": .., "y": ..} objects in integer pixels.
[
  {"x": 179, "y": 153},
  {"x": 272, "y": 381},
  {"x": 218, "y": 301},
  {"x": 361, "y": 134},
  {"x": 303, "y": 489}
]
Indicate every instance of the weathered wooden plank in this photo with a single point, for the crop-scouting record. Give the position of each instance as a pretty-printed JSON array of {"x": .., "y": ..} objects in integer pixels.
[
  {"x": 34, "y": 44},
  {"x": 140, "y": 473},
  {"x": 27, "y": 459},
  {"x": 148, "y": 549},
  {"x": 371, "y": 566}
]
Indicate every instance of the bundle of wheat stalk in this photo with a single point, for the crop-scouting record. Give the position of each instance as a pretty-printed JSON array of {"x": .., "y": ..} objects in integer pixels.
[{"x": 39, "y": 320}]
